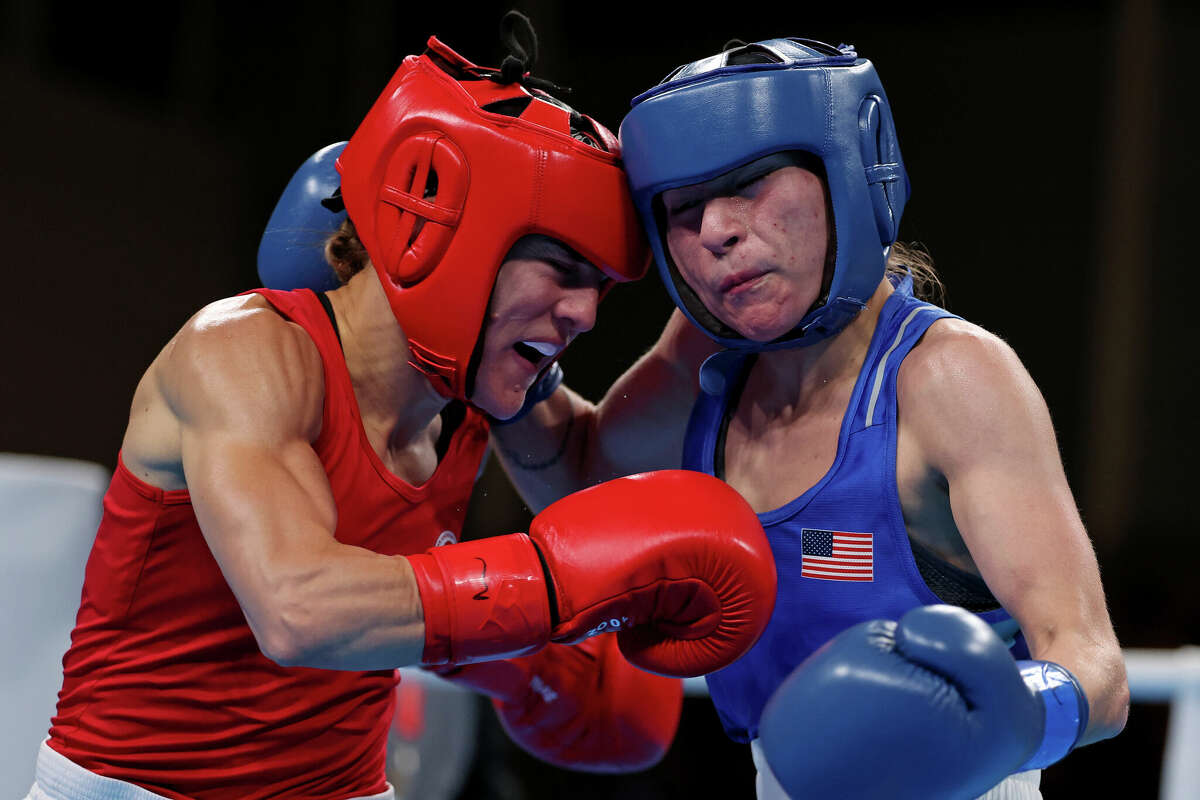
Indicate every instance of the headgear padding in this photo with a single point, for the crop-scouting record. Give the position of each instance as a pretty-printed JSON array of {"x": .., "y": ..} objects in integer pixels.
[
  {"x": 505, "y": 165},
  {"x": 291, "y": 253},
  {"x": 711, "y": 116}
]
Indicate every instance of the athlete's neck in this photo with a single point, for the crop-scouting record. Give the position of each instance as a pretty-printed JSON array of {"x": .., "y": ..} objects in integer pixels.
[
  {"x": 393, "y": 397},
  {"x": 796, "y": 377}
]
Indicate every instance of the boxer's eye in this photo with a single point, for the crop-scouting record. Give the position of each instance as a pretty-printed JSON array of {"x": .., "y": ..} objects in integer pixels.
[
  {"x": 682, "y": 207},
  {"x": 746, "y": 183}
]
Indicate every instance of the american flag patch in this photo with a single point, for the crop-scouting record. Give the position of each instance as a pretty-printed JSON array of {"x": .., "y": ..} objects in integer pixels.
[{"x": 837, "y": 555}]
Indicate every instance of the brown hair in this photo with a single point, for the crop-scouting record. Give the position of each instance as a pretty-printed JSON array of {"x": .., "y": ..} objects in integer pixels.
[
  {"x": 913, "y": 259},
  {"x": 345, "y": 253}
]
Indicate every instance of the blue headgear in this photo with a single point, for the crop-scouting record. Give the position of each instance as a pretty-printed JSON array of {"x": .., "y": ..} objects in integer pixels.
[
  {"x": 711, "y": 116},
  {"x": 291, "y": 253}
]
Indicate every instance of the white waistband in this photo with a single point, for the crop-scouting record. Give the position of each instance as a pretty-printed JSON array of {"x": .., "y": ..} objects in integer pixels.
[{"x": 59, "y": 778}]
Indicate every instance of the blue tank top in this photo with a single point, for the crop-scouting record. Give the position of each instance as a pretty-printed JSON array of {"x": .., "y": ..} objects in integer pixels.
[{"x": 841, "y": 549}]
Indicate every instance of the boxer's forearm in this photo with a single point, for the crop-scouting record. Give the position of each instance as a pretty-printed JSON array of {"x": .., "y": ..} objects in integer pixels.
[
  {"x": 546, "y": 453},
  {"x": 567, "y": 443},
  {"x": 348, "y": 609}
]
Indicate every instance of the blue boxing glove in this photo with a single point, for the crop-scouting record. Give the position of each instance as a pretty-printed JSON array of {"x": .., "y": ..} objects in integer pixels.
[
  {"x": 291, "y": 254},
  {"x": 932, "y": 706}
]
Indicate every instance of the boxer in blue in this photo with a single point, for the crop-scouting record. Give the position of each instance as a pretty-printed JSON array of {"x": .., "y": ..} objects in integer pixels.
[{"x": 940, "y": 628}]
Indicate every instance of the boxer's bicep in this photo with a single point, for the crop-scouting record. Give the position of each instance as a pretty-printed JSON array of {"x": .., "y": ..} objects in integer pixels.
[{"x": 247, "y": 413}]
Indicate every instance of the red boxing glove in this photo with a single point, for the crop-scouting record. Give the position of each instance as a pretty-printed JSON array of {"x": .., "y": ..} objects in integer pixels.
[
  {"x": 581, "y": 707},
  {"x": 676, "y": 561},
  {"x": 483, "y": 600}
]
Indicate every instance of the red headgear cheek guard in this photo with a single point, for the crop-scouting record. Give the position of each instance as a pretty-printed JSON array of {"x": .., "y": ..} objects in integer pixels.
[
  {"x": 504, "y": 164},
  {"x": 403, "y": 204}
]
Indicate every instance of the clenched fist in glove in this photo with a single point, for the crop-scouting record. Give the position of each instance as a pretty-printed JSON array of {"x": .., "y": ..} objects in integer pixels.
[
  {"x": 932, "y": 707},
  {"x": 674, "y": 561}
]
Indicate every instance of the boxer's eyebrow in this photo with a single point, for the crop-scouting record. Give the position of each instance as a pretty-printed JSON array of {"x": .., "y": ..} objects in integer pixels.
[
  {"x": 680, "y": 197},
  {"x": 575, "y": 268},
  {"x": 683, "y": 197},
  {"x": 578, "y": 271}
]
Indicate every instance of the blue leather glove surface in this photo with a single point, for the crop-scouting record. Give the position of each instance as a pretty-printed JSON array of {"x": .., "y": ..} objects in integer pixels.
[{"x": 932, "y": 706}]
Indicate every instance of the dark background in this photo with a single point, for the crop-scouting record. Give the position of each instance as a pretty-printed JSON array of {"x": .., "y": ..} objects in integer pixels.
[{"x": 1054, "y": 168}]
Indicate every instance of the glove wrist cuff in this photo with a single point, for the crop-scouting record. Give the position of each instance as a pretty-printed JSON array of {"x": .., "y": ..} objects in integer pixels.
[
  {"x": 1066, "y": 710},
  {"x": 483, "y": 600}
]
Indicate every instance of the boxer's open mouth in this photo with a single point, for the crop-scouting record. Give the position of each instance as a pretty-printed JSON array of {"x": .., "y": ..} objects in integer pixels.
[{"x": 533, "y": 351}]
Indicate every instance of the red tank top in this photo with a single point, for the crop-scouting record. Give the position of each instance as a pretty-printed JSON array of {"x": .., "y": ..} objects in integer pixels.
[{"x": 164, "y": 685}]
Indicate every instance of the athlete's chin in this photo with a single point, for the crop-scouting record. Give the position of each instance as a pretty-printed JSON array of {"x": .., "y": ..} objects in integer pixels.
[
  {"x": 501, "y": 383},
  {"x": 759, "y": 322},
  {"x": 500, "y": 408},
  {"x": 500, "y": 402},
  {"x": 760, "y": 329}
]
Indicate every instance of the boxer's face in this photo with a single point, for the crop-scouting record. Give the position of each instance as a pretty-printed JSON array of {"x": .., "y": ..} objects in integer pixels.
[
  {"x": 752, "y": 244},
  {"x": 541, "y": 301}
]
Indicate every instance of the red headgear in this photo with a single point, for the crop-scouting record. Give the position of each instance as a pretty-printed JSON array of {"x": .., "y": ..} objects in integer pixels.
[{"x": 505, "y": 165}]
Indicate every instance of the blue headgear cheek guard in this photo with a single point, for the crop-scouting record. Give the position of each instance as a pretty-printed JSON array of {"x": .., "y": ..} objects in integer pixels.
[
  {"x": 291, "y": 253},
  {"x": 710, "y": 116}
]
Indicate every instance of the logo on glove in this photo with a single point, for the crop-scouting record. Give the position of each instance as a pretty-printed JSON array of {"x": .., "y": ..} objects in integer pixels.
[
  {"x": 613, "y": 624},
  {"x": 482, "y": 593}
]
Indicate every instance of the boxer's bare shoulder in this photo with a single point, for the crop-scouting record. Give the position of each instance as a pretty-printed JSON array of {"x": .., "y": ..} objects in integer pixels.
[
  {"x": 961, "y": 392},
  {"x": 236, "y": 361},
  {"x": 963, "y": 389}
]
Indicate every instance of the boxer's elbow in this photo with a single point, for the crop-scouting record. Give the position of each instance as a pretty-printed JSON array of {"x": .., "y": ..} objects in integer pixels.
[
  {"x": 1120, "y": 713},
  {"x": 1093, "y": 655},
  {"x": 287, "y": 644},
  {"x": 283, "y": 651},
  {"x": 1114, "y": 712},
  {"x": 1108, "y": 699},
  {"x": 289, "y": 633}
]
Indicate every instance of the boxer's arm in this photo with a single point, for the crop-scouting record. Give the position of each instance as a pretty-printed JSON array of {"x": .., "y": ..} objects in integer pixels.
[
  {"x": 981, "y": 423},
  {"x": 676, "y": 561},
  {"x": 567, "y": 443},
  {"x": 247, "y": 389}
]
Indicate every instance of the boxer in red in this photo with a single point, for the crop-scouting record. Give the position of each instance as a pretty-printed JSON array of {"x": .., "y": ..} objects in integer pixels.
[{"x": 269, "y": 551}]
